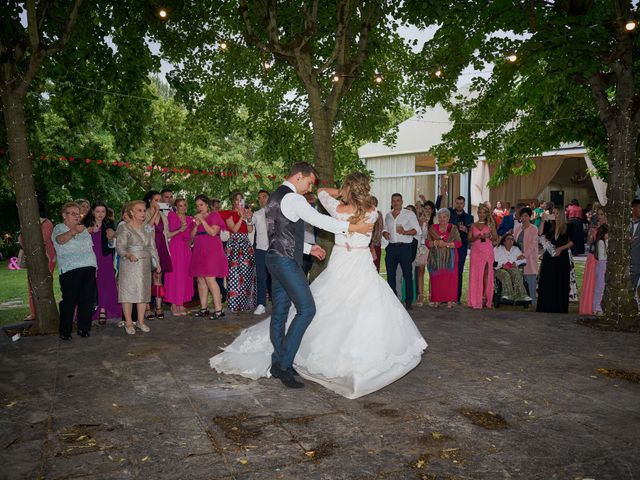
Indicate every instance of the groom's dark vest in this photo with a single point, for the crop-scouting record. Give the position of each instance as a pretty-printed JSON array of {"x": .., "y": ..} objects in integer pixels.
[{"x": 286, "y": 238}]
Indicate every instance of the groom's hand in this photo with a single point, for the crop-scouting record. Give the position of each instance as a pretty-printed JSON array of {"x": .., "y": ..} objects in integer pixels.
[
  {"x": 318, "y": 252},
  {"x": 361, "y": 227}
]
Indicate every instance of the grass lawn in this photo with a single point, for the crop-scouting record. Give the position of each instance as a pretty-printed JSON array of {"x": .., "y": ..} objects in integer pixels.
[{"x": 13, "y": 286}]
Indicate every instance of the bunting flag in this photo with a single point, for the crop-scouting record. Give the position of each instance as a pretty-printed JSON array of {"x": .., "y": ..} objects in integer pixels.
[{"x": 185, "y": 171}]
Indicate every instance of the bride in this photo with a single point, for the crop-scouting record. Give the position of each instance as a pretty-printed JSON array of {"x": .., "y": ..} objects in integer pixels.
[{"x": 361, "y": 338}]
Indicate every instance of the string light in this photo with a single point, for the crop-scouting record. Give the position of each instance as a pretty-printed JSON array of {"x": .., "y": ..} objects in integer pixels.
[
  {"x": 512, "y": 58},
  {"x": 162, "y": 13},
  {"x": 267, "y": 65},
  {"x": 630, "y": 25},
  {"x": 335, "y": 79},
  {"x": 378, "y": 79},
  {"x": 223, "y": 45},
  {"x": 438, "y": 73}
]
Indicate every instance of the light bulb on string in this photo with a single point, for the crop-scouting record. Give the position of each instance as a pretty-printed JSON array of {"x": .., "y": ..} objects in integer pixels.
[
  {"x": 267, "y": 65},
  {"x": 438, "y": 73},
  {"x": 512, "y": 58},
  {"x": 162, "y": 13},
  {"x": 223, "y": 45},
  {"x": 630, "y": 25},
  {"x": 335, "y": 79},
  {"x": 378, "y": 79}
]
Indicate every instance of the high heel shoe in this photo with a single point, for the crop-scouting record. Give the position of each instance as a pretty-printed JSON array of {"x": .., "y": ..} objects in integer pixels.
[
  {"x": 217, "y": 314},
  {"x": 159, "y": 313},
  {"x": 420, "y": 301},
  {"x": 102, "y": 319},
  {"x": 203, "y": 312}
]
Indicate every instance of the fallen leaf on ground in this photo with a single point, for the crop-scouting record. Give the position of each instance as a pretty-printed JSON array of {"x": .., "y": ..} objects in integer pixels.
[
  {"x": 144, "y": 459},
  {"x": 436, "y": 435},
  {"x": 243, "y": 461},
  {"x": 310, "y": 453}
]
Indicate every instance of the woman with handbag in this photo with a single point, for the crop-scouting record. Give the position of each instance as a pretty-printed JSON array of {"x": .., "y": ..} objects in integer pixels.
[
  {"x": 136, "y": 246},
  {"x": 208, "y": 261},
  {"x": 158, "y": 220}
]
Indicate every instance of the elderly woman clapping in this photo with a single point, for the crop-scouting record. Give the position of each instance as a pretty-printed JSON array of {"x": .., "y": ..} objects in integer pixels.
[
  {"x": 443, "y": 240},
  {"x": 77, "y": 266}
]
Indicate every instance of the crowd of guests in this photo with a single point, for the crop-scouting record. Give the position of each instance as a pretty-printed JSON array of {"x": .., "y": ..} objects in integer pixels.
[
  {"x": 156, "y": 254},
  {"x": 522, "y": 254}
]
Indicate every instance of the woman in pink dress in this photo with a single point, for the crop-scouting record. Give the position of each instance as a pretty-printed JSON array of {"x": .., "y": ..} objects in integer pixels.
[
  {"x": 443, "y": 242},
  {"x": 208, "y": 260},
  {"x": 482, "y": 236},
  {"x": 526, "y": 235},
  {"x": 178, "y": 282}
]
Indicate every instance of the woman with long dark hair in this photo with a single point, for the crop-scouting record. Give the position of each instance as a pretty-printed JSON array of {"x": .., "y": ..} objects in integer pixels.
[{"x": 99, "y": 223}]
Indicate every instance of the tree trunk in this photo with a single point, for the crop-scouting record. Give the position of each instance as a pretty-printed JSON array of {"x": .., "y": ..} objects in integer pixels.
[
  {"x": 21, "y": 172},
  {"x": 322, "y": 125},
  {"x": 323, "y": 158},
  {"x": 619, "y": 304}
]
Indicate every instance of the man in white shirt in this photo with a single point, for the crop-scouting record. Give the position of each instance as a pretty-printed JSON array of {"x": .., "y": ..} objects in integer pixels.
[
  {"x": 400, "y": 225},
  {"x": 261, "y": 247},
  {"x": 286, "y": 213}
]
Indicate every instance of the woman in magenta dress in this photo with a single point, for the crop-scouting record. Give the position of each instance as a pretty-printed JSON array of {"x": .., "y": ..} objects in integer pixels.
[
  {"x": 178, "y": 283},
  {"x": 443, "y": 240},
  {"x": 99, "y": 223},
  {"x": 159, "y": 222},
  {"x": 482, "y": 236},
  {"x": 208, "y": 260}
]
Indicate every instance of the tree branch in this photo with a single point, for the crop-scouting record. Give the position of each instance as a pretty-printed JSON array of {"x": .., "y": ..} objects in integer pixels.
[
  {"x": 342, "y": 22},
  {"x": 32, "y": 26},
  {"x": 598, "y": 83},
  {"x": 38, "y": 54},
  {"x": 274, "y": 46}
]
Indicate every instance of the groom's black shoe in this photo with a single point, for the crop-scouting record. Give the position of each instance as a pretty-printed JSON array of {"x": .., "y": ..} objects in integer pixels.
[
  {"x": 293, "y": 371},
  {"x": 285, "y": 376}
]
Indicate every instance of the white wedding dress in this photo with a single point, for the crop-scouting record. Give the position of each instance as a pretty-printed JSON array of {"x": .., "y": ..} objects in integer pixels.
[{"x": 361, "y": 338}]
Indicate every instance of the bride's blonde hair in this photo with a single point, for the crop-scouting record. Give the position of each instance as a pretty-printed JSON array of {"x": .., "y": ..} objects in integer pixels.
[{"x": 356, "y": 191}]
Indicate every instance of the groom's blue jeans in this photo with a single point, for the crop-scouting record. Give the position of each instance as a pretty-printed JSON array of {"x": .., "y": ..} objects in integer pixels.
[{"x": 288, "y": 284}]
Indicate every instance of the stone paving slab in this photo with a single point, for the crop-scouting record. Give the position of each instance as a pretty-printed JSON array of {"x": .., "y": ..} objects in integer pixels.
[{"x": 505, "y": 394}]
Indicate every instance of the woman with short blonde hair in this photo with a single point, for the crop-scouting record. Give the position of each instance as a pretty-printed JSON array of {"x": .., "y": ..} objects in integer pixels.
[{"x": 135, "y": 244}]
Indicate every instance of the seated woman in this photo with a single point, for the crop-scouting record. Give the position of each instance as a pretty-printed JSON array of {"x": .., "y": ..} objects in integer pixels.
[{"x": 508, "y": 258}]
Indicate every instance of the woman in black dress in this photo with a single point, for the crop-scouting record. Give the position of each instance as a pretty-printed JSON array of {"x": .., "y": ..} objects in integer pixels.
[{"x": 555, "y": 268}]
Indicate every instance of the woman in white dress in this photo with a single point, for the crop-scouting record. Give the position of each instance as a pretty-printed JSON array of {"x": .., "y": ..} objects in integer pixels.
[{"x": 361, "y": 338}]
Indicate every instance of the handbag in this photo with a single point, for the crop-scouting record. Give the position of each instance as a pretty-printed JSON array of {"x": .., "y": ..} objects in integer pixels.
[
  {"x": 225, "y": 235},
  {"x": 422, "y": 256}
]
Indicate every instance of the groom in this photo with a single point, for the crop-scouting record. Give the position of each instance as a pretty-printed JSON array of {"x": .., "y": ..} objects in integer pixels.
[{"x": 286, "y": 212}]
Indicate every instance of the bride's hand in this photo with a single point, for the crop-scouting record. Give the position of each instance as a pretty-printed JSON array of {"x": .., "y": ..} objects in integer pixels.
[{"x": 318, "y": 252}]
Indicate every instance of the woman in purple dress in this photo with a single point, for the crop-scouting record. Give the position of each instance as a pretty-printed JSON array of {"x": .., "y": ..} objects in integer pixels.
[
  {"x": 208, "y": 260},
  {"x": 99, "y": 223},
  {"x": 179, "y": 283},
  {"x": 158, "y": 220}
]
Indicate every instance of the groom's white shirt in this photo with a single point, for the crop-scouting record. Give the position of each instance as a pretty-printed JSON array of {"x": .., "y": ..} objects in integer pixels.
[{"x": 296, "y": 207}]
